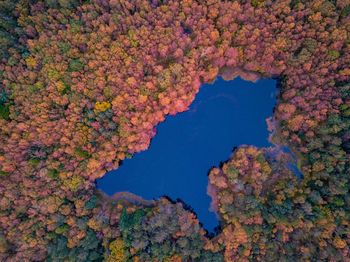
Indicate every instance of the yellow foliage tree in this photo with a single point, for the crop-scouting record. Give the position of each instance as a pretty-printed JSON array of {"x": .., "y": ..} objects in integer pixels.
[
  {"x": 102, "y": 106},
  {"x": 31, "y": 62},
  {"x": 117, "y": 249},
  {"x": 73, "y": 183}
]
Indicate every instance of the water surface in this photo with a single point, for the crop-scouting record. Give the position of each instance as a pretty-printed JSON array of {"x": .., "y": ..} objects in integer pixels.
[{"x": 224, "y": 115}]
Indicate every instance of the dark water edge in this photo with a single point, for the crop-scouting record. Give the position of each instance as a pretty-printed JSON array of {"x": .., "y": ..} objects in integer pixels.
[{"x": 224, "y": 115}]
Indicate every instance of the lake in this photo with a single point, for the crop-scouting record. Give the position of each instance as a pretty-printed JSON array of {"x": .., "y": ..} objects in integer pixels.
[{"x": 224, "y": 115}]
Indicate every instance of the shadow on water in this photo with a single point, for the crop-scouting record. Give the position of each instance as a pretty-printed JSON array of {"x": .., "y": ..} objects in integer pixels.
[{"x": 224, "y": 114}]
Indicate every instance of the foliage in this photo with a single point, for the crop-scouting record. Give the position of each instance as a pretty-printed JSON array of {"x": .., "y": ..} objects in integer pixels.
[
  {"x": 4, "y": 112},
  {"x": 10, "y": 31},
  {"x": 75, "y": 65},
  {"x": 89, "y": 249},
  {"x": 84, "y": 83},
  {"x": 116, "y": 248}
]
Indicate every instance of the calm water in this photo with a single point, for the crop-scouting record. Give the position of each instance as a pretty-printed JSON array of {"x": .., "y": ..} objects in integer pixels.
[{"x": 224, "y": 115}]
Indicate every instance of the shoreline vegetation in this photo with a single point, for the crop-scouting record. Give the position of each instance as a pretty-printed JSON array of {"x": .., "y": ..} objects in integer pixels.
[
  {"x": 127, "y": 197},
  {"x": 84, "y": 83}
]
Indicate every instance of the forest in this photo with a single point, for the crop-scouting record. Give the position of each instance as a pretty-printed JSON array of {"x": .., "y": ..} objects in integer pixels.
[{"x": 83, "y": 84}]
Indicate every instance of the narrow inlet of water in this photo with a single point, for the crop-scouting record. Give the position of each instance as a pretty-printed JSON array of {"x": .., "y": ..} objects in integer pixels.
[{"x": 224, "y": 115}]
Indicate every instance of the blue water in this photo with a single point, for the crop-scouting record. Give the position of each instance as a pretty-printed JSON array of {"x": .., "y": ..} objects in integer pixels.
[{"x": 224, "y": 115}]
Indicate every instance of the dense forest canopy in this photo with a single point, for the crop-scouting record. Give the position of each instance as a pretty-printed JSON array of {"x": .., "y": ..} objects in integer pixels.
[{"x": 84, "y": 83}]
